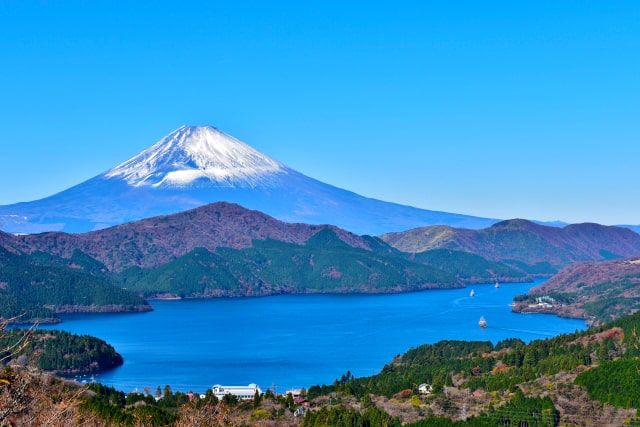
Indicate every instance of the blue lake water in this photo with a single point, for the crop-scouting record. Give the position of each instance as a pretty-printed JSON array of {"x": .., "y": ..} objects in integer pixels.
[{"x": 299, "y": 340}]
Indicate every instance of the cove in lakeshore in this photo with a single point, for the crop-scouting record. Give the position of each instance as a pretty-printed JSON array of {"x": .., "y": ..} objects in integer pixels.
[{"x": 295, "y": 341}]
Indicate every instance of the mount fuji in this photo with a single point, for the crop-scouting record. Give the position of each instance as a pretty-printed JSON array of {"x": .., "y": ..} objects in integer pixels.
[{"x": 197, "y": 165}]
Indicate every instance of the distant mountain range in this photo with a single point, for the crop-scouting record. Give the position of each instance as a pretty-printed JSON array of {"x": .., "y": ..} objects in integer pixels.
[
  {"x": 635, "y": 228},
  {"x": 197, "y": 165},
  {"x": 524, "y": 241}
]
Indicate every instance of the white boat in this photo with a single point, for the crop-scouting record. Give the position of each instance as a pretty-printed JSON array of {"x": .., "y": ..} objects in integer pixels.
[
  {"x": 482, "y": 323},
  {"x": 497, "y": 285},
  {"x": 472, "y": 293}
]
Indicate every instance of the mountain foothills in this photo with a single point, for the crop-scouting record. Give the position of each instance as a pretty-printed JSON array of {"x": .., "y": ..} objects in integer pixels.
[
  {"x": 598, "y": 291},
  {"x": 520, "y": 241},
  {"x": 38, "y": 286},
  {"x": 197, "y": 165}
]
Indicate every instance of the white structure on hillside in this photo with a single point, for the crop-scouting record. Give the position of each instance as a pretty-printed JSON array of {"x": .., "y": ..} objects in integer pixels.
[
  {"x": 242, "y": 392},
  {"x": 296, "y": 392},
  {"x": 425, "y": 389}
]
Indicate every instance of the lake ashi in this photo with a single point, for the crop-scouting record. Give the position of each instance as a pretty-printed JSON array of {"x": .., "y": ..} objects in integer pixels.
[{"x": 299, "y": 340}]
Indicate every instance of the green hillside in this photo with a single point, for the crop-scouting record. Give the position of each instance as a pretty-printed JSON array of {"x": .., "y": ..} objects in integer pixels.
[
  {"x": 469, "y": 267},
  {"x": 37, "y": 286}
]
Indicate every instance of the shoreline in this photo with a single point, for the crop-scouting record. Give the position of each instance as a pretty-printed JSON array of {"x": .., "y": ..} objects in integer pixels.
[
  {"x": 390, "y": 291},
  {"x": 167, "y": 296},
  {"x": 564, "y": 311},
  {"x": 82, "y": 309}
]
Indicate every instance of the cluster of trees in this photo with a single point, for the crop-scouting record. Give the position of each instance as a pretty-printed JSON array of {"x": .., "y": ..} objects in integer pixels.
[
  {"x": 160, "y": 409},
  {"x": 116, "y": 408},
  {"x": 615, "y": 382},
  {"x": 339, "y": 416},
  {"x": 71, "y": 353},
  {"x": 519, "y": 411},
  {"x": 60, "y": 351},
  {"x": 614, "y": 304}
]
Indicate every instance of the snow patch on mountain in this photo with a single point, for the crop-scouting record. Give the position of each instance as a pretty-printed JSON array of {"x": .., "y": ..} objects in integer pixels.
[{"x": 193, "y": 153}]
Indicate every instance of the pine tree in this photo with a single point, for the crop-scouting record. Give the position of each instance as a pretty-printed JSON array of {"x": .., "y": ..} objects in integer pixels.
[{"x": 257, "y": 399}]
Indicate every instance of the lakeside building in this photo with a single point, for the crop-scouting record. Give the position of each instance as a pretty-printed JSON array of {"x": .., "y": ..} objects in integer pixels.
[
  {"x": 545, "y": 302},
  {"x": 245, "y": 392}
]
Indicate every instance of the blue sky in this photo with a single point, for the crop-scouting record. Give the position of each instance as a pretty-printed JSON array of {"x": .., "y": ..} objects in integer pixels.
[{"x": 501, "y": 109}]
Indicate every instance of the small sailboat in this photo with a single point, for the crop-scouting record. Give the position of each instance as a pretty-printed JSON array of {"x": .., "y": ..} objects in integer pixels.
[
  {"x": 482, "y": 323},
  {"x": 497, "y": 285},
  {"x": 472, "y": 293}
]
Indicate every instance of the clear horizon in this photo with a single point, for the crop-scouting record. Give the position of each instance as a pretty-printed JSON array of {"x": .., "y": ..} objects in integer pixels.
[{"x": 503, "y": 110}]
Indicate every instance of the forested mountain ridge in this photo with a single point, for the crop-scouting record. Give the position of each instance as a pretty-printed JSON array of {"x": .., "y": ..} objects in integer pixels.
[
  {"x": 324, "y": 263},
  {"x": 155, "y": 241}
]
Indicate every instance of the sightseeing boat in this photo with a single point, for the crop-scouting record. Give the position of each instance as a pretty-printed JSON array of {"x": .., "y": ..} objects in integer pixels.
[{"x": 482, "y": 322}]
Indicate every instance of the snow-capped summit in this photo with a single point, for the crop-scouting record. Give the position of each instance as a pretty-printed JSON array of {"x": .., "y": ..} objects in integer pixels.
[
  {"x": 196, "y": 165},
  {"x": 193, "y": 153}
]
